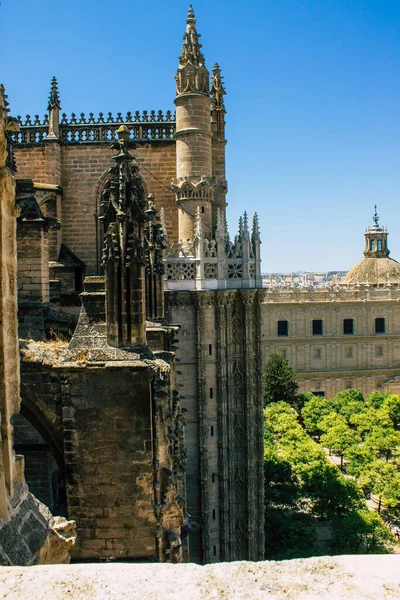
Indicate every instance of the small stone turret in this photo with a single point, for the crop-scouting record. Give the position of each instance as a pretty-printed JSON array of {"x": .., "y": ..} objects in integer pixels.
[
  {"x": 194, "y": 185},
  {"x": 54, "y": 108}
]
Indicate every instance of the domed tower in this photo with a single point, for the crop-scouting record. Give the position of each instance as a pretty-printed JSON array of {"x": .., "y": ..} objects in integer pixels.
[
  {"x": 376, "y": 268},
  {"x": 194, "y": 185}
]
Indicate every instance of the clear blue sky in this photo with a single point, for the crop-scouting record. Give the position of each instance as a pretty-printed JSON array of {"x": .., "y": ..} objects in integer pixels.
[{"x": 313, "y": 102}]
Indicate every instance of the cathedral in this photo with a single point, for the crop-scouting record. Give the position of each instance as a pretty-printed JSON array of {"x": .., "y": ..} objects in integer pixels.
[
  {"x": 126, "y": 216},
  {"x": 146, "y": 428}
]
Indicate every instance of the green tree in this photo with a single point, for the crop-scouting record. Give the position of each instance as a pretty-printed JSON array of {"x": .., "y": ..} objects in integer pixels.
[
  {"x": 383, "y": 480},
  {"x": 376, "y": 399},
  {"x": 348, "y": 403},
  {"x": 360, "y": 532},
  {"x": 371, "y": 417},
  {"x": 289, "y": 534},
  {"x": 330, "y": 493},
  {"x": 313, "y": 411},
  {"x": 359, "y": 457},
  {"x": 279, "y": 381},
  {"x": 340, "y": 438},
  {"x": 382, "y": 441},
  {"x": 391, "y": 408}
]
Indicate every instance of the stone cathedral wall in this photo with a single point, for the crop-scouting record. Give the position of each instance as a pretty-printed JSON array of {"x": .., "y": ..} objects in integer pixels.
[{"x": 81, "y": 170}]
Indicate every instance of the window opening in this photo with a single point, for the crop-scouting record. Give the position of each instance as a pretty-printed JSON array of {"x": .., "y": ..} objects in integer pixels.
[
  {"x": 348, "y": 326},
  {"x": 317, "y": 327},
  {"x": 380, "y": 325},
  {"x": 283, "y": 328}
]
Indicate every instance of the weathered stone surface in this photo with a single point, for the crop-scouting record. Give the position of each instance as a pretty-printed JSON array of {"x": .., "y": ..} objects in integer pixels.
[
  {"x": 28, "y": 532},
  {"x": 341, "y": 577}
]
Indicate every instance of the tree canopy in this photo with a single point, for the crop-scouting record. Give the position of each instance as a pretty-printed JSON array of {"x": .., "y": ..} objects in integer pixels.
[{"x": 279, "y": 381}]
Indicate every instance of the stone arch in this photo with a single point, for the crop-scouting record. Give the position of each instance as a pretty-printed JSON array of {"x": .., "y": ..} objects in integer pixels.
[
  {"x": 38, "y": 437},
  {"x": 44, "y": 426}
]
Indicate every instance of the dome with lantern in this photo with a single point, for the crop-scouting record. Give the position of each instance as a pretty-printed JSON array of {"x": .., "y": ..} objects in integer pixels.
[{"x": 376, "y": 268}]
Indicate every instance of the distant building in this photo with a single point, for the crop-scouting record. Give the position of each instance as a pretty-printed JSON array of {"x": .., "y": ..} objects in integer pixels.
[{"x": 340, "y": 335}]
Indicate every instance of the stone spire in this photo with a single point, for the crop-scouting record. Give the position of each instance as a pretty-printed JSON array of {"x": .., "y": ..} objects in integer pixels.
[
  {"x": 192, "y": 75},
  {"x": 217, "y": 90},
  {"x": 54, "y": 98},
  {"x": 54, "y": 108},
  {"x": 218, "y": 112},
  {"x": 376, "y": 239},
  {"x": 256, "y": 228},
  {"x": 123, "y": 212}
]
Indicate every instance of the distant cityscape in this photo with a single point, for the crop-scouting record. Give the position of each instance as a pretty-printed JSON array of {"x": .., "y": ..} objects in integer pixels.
[{"x": 303, "y": 278}]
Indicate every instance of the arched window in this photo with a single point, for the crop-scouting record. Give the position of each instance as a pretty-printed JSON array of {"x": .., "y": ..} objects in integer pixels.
[
  {"x": 372, "y": 245},
  {"x": 379, "y": 245}
]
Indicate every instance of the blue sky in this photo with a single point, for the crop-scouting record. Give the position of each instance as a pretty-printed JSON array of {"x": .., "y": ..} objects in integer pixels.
[{"x": 313, "y": 100}]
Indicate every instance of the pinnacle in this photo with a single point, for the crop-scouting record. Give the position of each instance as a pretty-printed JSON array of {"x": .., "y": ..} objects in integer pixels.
[
  {"x": 54, "y": 99},
  {"x": 191, "y": 16}
]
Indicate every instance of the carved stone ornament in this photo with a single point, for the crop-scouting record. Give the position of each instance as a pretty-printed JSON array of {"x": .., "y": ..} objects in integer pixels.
[
  {"x": 123, "y": 208},
  {"x": 192, "y": 76},
  {"x": 188, "y": 189},
  {"x": 217, "y": 90}
]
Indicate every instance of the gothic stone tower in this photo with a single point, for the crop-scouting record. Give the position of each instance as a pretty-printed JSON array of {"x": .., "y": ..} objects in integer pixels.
[{"x": 213, "y": 294}]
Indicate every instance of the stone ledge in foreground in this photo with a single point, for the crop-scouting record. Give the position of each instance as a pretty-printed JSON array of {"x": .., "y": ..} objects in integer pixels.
[{"x": 341, "y": 577}]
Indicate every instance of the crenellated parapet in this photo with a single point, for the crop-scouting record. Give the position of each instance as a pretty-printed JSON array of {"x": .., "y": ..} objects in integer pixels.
[{"x": 217, "y": 263}]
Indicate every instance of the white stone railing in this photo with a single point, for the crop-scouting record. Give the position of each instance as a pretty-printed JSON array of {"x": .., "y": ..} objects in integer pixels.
[{"x": 204, "y": 264}]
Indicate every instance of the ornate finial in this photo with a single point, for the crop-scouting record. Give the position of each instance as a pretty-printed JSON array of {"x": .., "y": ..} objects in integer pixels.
[
  {"x": 240, "y": 228},
  {"x": 245, "y": 225},
  {"x": 221, "y": 231},
  {"x": 54, "y": 99},
  {"x": 256, "y": 228},
  {"x": 162, "y": 221},
  {"x": 375, "y": 218},
  {"x": 217, "y": 89},
  {"x": 192, "y": 76},
  {"x": 199, "y": 224},
  {"x": 191, "y": 16}
]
